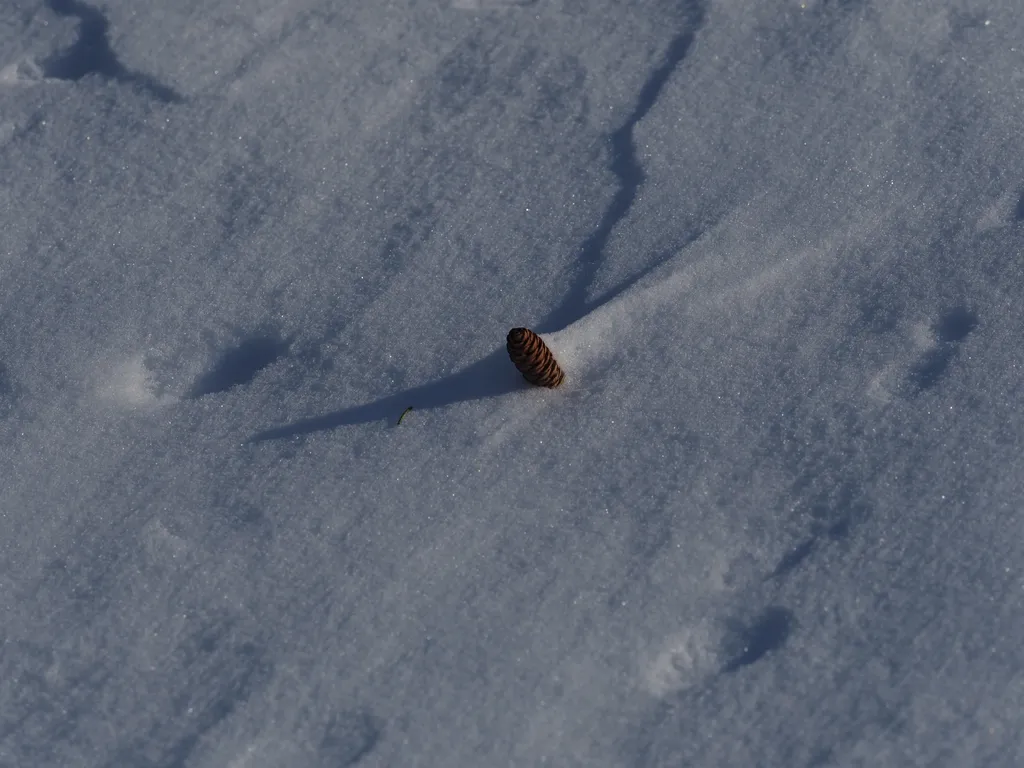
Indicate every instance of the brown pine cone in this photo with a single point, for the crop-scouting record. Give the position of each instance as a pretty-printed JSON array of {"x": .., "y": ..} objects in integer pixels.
[{"x": 532, "y": 357}]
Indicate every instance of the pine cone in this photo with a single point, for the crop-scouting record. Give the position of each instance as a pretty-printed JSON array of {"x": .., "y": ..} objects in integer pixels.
[{"x": 532, "y": 357}]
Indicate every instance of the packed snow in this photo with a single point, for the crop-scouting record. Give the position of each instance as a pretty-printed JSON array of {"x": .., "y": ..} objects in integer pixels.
[{"x": 773, "y": 517}]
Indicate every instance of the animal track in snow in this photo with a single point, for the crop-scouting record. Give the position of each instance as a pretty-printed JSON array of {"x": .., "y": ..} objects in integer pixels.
[
  {"x": 349, "y": 738},
  {"x": 688, "y": 659},
  {"x": 240, "y": 364},
  {"x": 951, "y": 329},
  {"x": 935, "y": 347},
  {"x": 751, "y": 642},
  {"x": 834, "y": 507},
  {"x": 795, "y": 557},
  {"x": 91, "y": 54},
  {"x": 695, "y": 655}
]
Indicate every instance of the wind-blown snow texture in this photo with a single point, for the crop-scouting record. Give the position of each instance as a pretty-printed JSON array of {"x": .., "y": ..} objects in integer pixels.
[{"x": 774, "y": 516}]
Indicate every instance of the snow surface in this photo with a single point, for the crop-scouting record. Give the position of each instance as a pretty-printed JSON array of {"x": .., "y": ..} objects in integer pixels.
[{"x": 774, "y": 516}]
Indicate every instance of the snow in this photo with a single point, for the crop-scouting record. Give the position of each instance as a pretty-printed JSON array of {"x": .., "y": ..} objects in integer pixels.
[{"x": 772, "y": 517}]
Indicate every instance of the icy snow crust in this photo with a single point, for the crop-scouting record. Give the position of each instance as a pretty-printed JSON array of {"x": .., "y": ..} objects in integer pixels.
[{"x": 774, "y": 515}]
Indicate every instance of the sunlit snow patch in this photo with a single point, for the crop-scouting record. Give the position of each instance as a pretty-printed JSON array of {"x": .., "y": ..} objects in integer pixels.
[
  {"x": 21, "y": 73},
  {"x": 131, "y": 384},
  {"x": 688, "y": 658}
]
